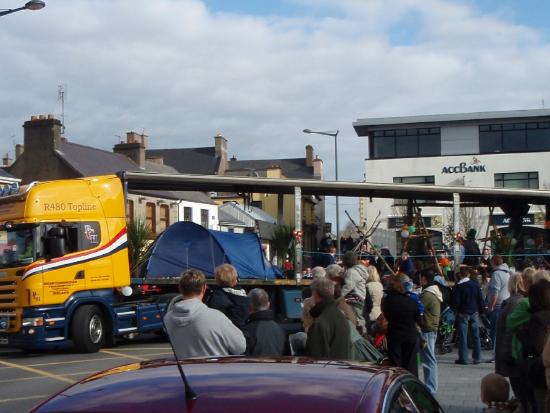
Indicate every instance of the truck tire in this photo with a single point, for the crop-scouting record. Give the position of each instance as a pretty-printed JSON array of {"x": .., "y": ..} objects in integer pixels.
[{"x": 88, "y": 329}]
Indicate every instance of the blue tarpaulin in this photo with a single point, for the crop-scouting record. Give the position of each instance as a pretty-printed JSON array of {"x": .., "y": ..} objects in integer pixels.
[{"x": 186, "y": 245}]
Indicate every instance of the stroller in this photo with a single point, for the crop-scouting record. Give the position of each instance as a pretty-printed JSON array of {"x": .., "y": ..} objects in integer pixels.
[
  {"x": 445, "y": 332},
  {"x": 484, "y": 333}
]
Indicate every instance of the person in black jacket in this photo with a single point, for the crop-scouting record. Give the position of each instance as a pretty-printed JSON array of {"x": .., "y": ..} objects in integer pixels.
[
  {"x": 472, "y": 254},
  {"x": 264, "y": 337},
  {"x": 329, "y": 335},
  {"x": 467, "y": 302},
  {"x": 228, "y": 298},
  {"x": 402, "y": 315}
]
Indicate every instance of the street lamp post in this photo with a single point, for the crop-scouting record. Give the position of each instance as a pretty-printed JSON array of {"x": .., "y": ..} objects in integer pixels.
[
  {"x": 30, "y": 5},
  {"x": 335, "y": 135}
]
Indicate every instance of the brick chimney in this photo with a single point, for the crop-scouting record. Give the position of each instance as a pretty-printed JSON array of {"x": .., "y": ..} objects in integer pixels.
[
  {"x": 42, "y": 134},
  {"x": 309, "y": 156},
  {"x": 6, "y": 160},
  {"x": 221, "y": 152},
  {"x": 318, "y": 168},
  {"x": 134, "y": 148},
  {"x": 19, "y": 150}
]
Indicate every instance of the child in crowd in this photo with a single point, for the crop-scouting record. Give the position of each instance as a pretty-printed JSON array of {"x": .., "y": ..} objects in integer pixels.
[{"x": 495, "y": 393}]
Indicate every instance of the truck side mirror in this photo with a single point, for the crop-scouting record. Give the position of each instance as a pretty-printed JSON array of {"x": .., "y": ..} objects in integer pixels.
[{"x": 55, "y": 243}]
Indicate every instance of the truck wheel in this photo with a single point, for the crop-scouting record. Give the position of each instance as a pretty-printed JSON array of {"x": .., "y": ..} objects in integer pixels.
[{"x": 88, "y": 329}]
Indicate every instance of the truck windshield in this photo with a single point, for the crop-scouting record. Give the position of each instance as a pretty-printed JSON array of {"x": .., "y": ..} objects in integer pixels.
[{"x": 17, "y": 247}]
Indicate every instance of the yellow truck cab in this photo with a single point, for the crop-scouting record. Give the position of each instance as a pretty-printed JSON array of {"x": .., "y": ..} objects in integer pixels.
[{"x": 63, "y": 262}]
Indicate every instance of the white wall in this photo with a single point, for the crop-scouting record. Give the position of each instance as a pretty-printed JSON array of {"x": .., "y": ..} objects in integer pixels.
[
  {"x": 384, "y": 170},
  {"x": 196, "y": 213}
]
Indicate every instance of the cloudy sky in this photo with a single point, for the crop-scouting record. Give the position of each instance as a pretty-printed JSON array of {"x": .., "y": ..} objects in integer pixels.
[{"x": 260, "y": 71}]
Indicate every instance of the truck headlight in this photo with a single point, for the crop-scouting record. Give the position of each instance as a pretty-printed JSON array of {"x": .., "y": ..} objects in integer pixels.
[{"x": 33, "y": 321}]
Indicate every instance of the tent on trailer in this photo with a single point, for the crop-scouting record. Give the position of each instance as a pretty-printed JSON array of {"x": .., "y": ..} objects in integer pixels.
[{"x": 186, "y": 245}]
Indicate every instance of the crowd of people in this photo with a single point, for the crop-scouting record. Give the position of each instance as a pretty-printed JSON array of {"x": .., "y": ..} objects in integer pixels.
[{"x": 350, "y": 312}]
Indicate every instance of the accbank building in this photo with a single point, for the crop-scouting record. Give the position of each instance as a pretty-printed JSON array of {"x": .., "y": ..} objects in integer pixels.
[{"x": 508, "y": 149}]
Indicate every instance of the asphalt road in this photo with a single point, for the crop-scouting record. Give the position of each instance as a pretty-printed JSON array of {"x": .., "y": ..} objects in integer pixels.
[{"x": 28, "y": 378}]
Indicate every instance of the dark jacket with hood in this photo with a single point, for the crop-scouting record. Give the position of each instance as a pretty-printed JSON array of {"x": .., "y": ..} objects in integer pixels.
[
  {"x": 466, "y": 298},
  {"x": 329, "y": 336},
  {"x": 471, "y": 252},
  {"x": 264, "y": 337},
  {"x": 402, "y": 315},
  {"x": 233, "y": 302}
]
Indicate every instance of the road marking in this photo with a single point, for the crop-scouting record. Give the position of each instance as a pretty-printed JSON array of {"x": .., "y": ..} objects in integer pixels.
[
  {"x": 128, "y": 356},
  {"x": 37, "y": 371},
  {"x": 142, "y": 348},
  {"x": 78, "y": 373},
  {"x": 16, "y": 399},
  {"x": 116, "y": 355}
]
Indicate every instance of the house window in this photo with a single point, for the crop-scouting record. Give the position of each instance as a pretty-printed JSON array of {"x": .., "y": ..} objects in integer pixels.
[
  {"x": 528, "y": 180},
  {"x": 164, "y": 219},
  {"x": 514, "y": 137},
  {"x": 204, "y": 217},
  {"x": 423, "y": 180},
  {"x": 187, "y": 214},
  {"x": 407, "y": 143},
  {"x": 130, "y": 210},
  {"x": 151, "y": 217}
]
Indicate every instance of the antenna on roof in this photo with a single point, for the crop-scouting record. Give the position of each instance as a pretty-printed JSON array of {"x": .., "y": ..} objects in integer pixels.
[
  {"x": 61, "y": 94},
  {"x": 189, "y": 393}
]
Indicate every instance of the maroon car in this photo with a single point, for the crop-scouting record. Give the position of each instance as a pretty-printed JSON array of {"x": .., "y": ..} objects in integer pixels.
[{"x": 239, "y": 384}]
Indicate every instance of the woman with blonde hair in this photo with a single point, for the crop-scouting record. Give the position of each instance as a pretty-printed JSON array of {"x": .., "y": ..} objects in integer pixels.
[
  {"x": 376, "y": 292},
  {"x": 228, "y": 298}
]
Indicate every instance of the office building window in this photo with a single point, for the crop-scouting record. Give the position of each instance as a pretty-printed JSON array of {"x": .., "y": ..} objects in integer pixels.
[
  {"x": 517, "y": 180},
  {"x": 164, "y": 218},
  {"x": 514, "y": 137},
  {"x": 130, "y": 210},
  {"x": 151, "y": 217},
  {"x": 187, "y": 214},
  {"x": 426, "y": 180},
  {"x": 204, "y": 218},
  {"x": 407, "y": 143}
]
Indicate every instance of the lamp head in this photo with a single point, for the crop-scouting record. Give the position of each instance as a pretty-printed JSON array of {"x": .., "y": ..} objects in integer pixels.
[
  {"x": 307, "y": 131},
  {"x": 35, "y": 5}
]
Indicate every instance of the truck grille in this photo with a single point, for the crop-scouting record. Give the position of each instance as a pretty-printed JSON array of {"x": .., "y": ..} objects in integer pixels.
[{"x": 8, "y": 302}]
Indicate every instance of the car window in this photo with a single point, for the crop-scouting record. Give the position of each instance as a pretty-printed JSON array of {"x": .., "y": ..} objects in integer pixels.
[
  {"x": 421, "y": 397},
  {"x": 402, "y": 403}
]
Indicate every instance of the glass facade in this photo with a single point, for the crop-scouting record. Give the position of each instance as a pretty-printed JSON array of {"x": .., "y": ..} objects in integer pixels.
[
  {"x": 426, "y": 180},
  {"x": 514, "y": 137},
  {"x": 524, "y": 180},
  {"x": 407, "y": 143},
  {"x": 187, "y": 214}
]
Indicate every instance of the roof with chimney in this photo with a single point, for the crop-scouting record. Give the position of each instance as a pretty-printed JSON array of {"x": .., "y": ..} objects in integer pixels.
[
  {"x": 89, "y": 161},
  {"x": 202, "y": 161},
  {"x": 291, "y": 168}
]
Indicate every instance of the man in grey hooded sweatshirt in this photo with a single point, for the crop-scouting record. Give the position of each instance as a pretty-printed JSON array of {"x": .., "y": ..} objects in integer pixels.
[{"x": 196, "y": 330}]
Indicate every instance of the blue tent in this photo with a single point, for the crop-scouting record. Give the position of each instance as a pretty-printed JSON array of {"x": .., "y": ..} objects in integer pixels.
[{"x": 187, "y": 245}]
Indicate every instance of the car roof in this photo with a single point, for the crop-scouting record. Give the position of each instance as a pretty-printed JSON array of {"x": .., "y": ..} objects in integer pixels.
[{"x": 232, "y": 384}]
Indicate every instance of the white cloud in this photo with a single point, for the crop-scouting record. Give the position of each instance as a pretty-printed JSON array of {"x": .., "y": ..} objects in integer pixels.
[{"x": 184, "y": 73}]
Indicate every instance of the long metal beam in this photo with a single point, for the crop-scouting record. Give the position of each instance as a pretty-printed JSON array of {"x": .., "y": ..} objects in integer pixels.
[{"x": 209, "y": 183}]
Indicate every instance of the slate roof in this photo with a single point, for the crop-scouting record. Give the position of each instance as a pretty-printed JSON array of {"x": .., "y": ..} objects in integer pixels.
[
  {"x": 292, "y": 168},
  {"x": 202, "y": 161},
  {"x": 88, "y": 161},
  {"x": 5, "y": 174}
]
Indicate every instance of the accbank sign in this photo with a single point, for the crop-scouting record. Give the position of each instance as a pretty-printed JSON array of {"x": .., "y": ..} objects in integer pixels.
[{"x": 463, "y": 167}]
